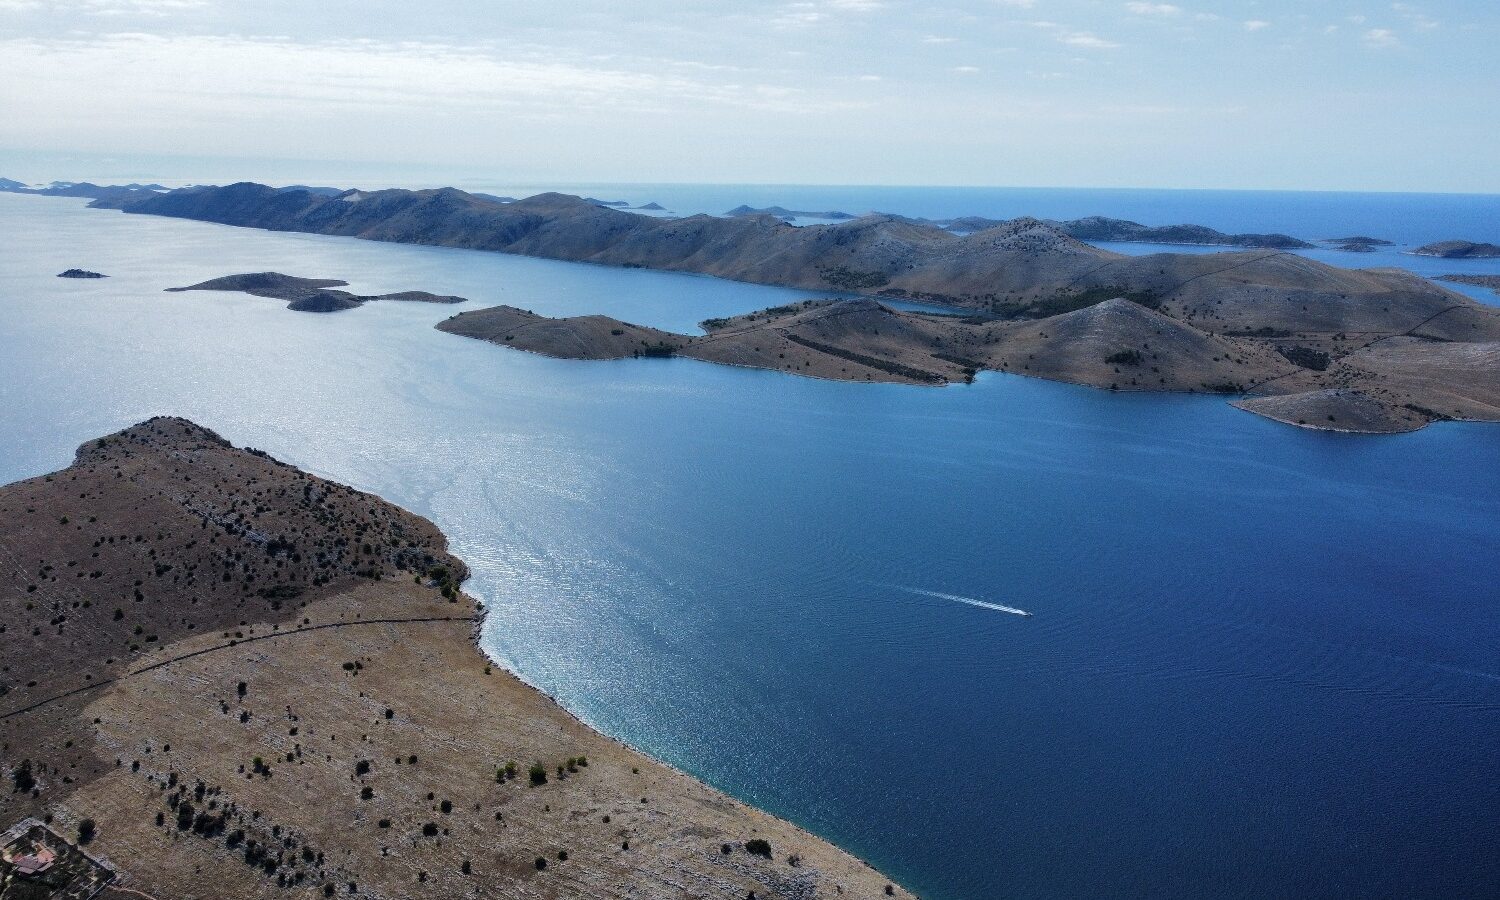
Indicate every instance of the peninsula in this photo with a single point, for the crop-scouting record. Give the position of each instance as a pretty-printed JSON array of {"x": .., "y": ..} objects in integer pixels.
[
  {"x": 229, "y": 678},
  {"x": 1490, "y": 281},
  {"x": 1373, "y": 382}
]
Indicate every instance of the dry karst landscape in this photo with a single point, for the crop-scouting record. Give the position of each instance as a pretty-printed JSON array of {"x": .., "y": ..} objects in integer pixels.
[
  {"x": 224, "y": 677},
  {"x": 1364, "y": 350}
]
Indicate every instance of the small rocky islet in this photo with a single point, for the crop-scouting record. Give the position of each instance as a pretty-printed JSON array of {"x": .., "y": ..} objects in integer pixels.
[{"x": 308, "y": 294}]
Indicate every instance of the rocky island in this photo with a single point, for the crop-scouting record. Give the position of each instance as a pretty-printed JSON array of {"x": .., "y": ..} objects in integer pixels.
[
  {"x": 308, "y": 294},
  {"x": 1373, "y": 383},
  {"x": 221, "y": 671},
  {"x": 1331, "y": 342},
  {"x": 1459, "y": 250},
  {"x": 80, "y": 273},
  {"x": 781, "y": 212},
  {"x": 1357, "y": 244}
]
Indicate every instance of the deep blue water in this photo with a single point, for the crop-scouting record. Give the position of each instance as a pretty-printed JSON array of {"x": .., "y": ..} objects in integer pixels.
[{"x": 1261, "y": 662}]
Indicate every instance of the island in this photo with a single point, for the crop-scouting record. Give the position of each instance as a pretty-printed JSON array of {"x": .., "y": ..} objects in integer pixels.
[
  {"x": 1101, "y": 228},
  {"x": 80, "y": 273},
  {"x": 1368, "y": 383},
  {"x": 112, "y": 193},
  {"x": 308, "y": 294},
  {"x": 1459, "y": 250},
  {"x": 781, "y": 212},
  {"x": 1255, "y": 324},
  {"x": 1091, "y": 228},
  {"x": 221, "y": 670},
  {"x": 1357, "y": 244}
]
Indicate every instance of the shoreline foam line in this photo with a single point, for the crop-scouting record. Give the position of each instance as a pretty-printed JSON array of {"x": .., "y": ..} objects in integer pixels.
[{"x": 983, "y": 604}]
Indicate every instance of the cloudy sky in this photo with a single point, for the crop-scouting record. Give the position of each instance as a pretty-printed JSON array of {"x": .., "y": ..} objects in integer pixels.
[{"x": 1319, "y": 94}]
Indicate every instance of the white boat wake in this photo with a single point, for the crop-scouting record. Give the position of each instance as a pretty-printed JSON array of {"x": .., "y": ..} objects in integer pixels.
[{"x": 982, "y": 604}]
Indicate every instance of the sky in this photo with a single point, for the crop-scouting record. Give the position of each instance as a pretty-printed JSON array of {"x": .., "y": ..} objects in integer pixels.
[{"x": 1275, "y": 94}]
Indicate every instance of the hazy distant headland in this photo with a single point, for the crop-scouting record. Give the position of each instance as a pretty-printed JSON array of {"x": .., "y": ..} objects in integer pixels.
[{"x": 1378, "y": 350}]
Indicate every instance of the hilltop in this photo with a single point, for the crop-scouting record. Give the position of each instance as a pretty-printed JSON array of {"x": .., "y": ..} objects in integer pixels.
[{"x": 234, "y": 679}]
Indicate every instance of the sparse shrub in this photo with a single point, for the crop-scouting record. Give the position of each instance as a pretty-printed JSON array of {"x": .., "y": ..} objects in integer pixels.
[
  {"x": 86, "y": 831},
  {"x": 758, "y": 847},
  {"x": 538, "y": 774}
]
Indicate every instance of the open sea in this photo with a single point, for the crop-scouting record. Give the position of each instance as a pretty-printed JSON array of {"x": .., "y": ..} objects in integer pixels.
[{"x": 1260, "y": 661}]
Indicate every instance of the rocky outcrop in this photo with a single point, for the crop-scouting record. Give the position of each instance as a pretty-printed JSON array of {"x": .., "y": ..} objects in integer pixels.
[{"x": 79, "y": 273}]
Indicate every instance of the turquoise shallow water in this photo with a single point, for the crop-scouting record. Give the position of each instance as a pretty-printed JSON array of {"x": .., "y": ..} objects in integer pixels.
[{"x": 1261, "y": 661}]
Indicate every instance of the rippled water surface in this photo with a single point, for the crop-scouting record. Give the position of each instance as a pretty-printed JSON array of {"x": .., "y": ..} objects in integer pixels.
[{"x": 1260, "y": 661}]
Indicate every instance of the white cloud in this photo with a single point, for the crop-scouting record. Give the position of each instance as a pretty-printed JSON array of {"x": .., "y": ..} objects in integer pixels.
[
  {"x": 935, "y": 39},
  {"x": 1413, "y": 14},
  {"x": 809, "y": 12},
  {"x": 219, "y": 78},
  {"x": 1085, "y": 39},
  {"x": 105, "y": 7},
  {"x": 965, "y": 70},
  {"x": 1017, "y": 4},
  {"x": 1257, "y": 25},
  {"x": 1381, "y": 38},
  {"x": 1153, "y": 9}
]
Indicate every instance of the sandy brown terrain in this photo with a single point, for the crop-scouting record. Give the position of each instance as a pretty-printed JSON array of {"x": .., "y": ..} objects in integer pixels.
[{"x": 257, "y": 683}]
